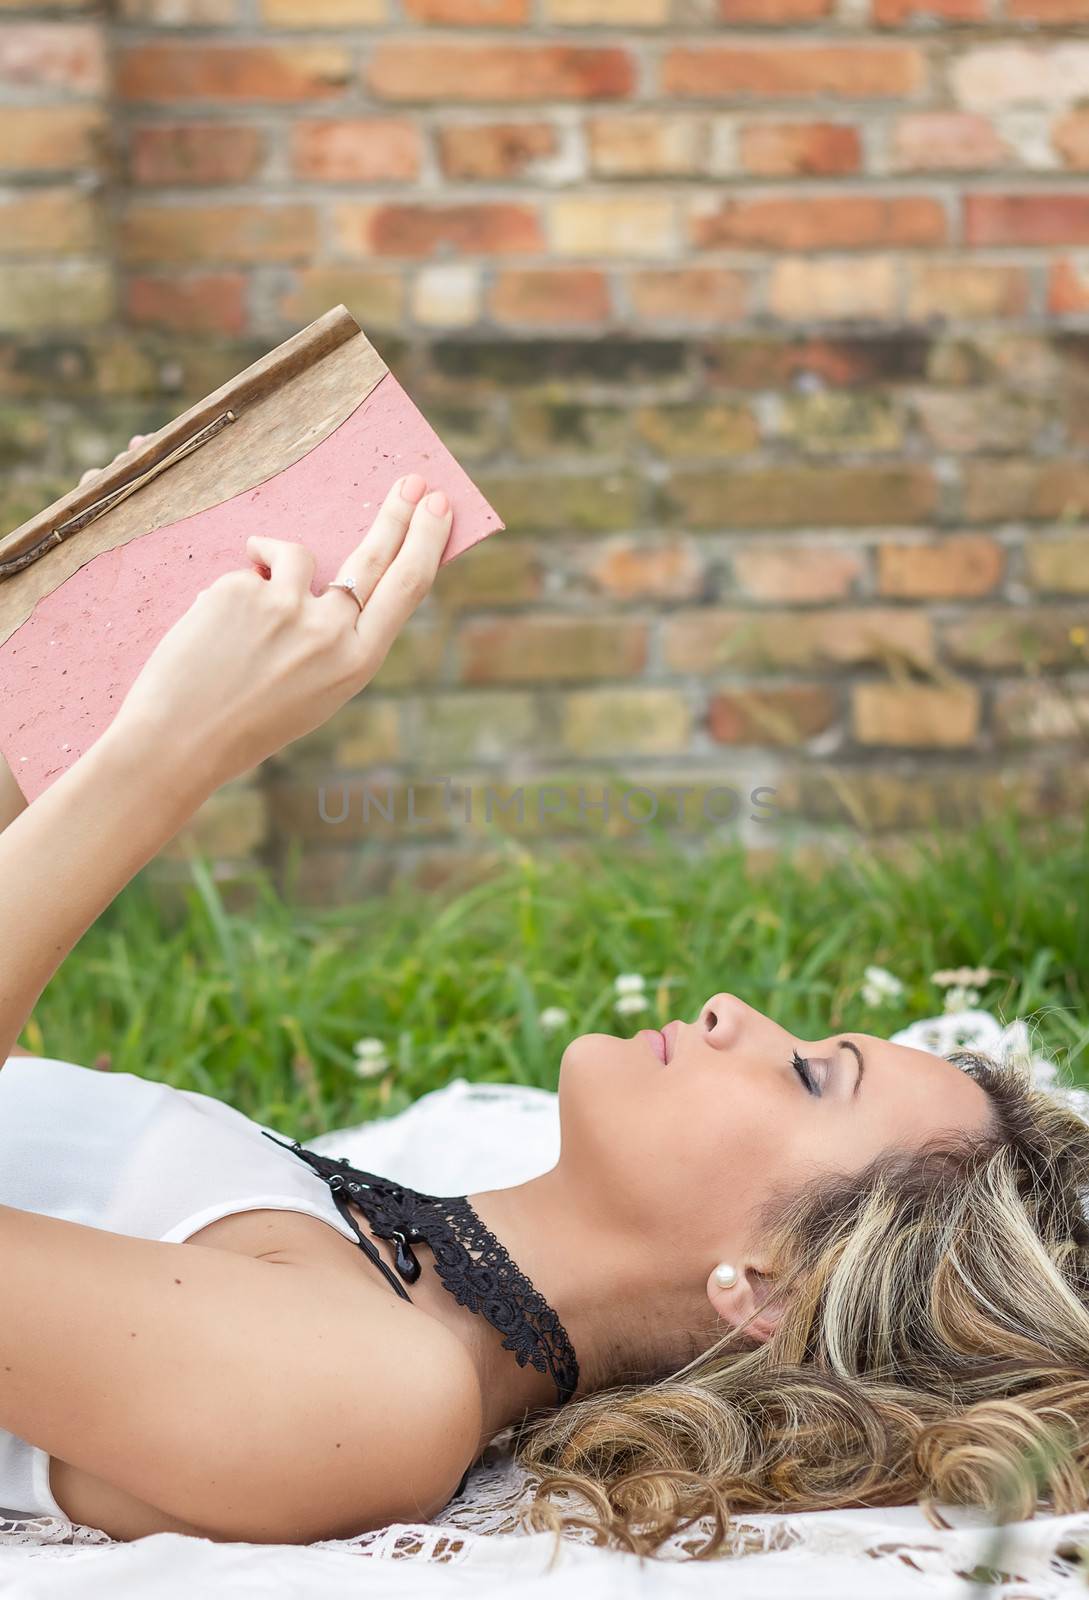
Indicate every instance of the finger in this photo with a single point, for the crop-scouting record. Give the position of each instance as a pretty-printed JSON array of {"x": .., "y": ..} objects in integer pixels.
[
  {"x": 382, "y": 540},
  {"x": 289, "y": 565},
  {"x": 137, "y": 440},
  {"x": 409, "y": 577}
]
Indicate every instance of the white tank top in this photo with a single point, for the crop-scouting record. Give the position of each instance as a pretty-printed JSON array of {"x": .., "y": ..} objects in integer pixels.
[{"x": 120, "y": 1152}]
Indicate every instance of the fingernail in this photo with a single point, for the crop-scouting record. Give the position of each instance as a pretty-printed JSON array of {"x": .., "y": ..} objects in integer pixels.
[
  {"x": 437, "y": 503},
  {"x": 412, "y": 488}
]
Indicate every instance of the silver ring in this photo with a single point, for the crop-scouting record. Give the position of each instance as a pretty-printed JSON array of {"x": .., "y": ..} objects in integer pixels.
[{"x": 347, "y": 584}]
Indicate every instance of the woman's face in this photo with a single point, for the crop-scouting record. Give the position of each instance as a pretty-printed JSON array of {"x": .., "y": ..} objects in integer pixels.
[{"x": 684, "y": 1151}]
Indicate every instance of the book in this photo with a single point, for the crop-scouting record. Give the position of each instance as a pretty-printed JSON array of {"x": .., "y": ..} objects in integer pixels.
[{"x": 304, "y": 444}]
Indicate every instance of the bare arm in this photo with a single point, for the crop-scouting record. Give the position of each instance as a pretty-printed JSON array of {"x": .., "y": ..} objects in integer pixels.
[
  {"x": 66, "y": 857},
  {"x": 252, "y": 1399},
  {"x": 255, "y": 663},
  {"x": 12, "y": 798},
  {"x": 12, "y": 801}
]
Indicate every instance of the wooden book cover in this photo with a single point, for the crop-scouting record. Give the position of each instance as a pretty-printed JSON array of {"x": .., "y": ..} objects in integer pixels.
[{"x": 302, "y": 445}]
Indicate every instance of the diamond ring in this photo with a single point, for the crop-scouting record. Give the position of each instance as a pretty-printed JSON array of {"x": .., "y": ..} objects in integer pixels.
[{"x": 348, "y": 584}]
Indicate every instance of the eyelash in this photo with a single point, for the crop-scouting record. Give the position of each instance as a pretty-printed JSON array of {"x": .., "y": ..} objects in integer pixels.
[{"x": 801, "y": 1067}]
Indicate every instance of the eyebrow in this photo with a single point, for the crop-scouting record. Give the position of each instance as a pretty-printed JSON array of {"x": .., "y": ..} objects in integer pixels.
[{"x": 849, "y": 1044}]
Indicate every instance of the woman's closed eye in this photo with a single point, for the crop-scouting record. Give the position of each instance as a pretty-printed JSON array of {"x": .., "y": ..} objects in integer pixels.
[{"x": 805, "y": 1072}]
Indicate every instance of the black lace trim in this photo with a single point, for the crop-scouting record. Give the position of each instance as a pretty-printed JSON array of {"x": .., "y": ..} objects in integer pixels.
[{"x": 469, "y": 1259}]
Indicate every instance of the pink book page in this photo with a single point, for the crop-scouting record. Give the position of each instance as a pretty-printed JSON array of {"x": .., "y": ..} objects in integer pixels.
[{"x": 65, "y": 672}]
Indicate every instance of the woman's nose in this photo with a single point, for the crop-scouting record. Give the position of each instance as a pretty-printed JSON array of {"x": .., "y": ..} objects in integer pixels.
[{"x": 720, "y": 1020}]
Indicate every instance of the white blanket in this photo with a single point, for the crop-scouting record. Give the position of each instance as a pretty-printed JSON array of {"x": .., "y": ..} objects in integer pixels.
[{"x": 466, "y": 1138}]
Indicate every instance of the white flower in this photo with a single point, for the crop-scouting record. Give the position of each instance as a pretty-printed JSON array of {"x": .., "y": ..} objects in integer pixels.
[
  {"x": 553, "y": 1017},
  {"x": 629, "y": 1003},
  {"x": 968, "y": 977},
  {"x": 880, "y": 985},
  {"x": 371, "y": 1059},
  {"x": 629, "y": 983},
  {"x": 960, "y": 998}
]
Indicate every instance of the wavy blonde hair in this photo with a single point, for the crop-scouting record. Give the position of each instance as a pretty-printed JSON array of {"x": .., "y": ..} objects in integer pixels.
[{"x": 934, "y": 1347}]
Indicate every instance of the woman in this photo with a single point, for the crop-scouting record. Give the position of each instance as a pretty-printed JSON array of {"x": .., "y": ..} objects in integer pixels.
[{"x": 765, "y": 1272}]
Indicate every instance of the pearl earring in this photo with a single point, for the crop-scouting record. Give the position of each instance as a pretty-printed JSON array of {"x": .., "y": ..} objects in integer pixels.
[{"x": 725, "y": 1275}]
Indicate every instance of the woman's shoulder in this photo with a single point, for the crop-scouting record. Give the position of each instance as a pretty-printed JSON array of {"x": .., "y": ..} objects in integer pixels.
[{"x": 411, "y": 1390}]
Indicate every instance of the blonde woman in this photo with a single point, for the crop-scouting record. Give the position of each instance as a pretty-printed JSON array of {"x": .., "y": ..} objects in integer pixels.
[{"x": 766, "y": 1271}]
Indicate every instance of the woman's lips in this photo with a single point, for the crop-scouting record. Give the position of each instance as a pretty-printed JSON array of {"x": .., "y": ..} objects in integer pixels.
[{"x": 656, "y": 1041}]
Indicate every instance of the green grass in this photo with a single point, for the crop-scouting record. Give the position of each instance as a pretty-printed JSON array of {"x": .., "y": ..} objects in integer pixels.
[{"x": 261, "y": 1009}]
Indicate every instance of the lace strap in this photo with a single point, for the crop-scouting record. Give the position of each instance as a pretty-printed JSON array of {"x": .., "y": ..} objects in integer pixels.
[{"x": 470, "y": 1261}]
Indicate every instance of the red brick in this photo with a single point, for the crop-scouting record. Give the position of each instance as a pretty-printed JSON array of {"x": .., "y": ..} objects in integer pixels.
[
  {"x": 551, "y": 295},
  {"x": 620, "y": 224},
  {"x": 829, "y": 288},
  {"x": 1070, "y": 138},
  {"x": 312, "y": 14},
  {"x": 484, "y": 228},
  {"x": 1022, "y": 637},
  {"x": 696, "y": 296},
  {"x": 625, "y": 721},
  {"x": 842, "y": 361},
  {"x": 627, "y": 570},
  {"x": 50, "y": 221},
  {"x": 959, "y": 567},
  {"x": 946, "y": 141},
  {"x": 823, "y": 422},
  {"x": 1059, "y": 565},
  {"x": 951, "y": 289},
  {"x": 218, "y": 234},
  {"x": 192, "y": 152},
  {"x": 919, "y": 714},
  {"x": 1053, "y": 11},
  {"x": 1025, "y": 219},
  {"x": 1067, "y": 289},
  {"x": 411, "y": 70},
  {"x": 447, "y": 294},
  {"x": 607, "y": 13},
  {"x": 478, "y": 13},
  {"x": 181, "y": 71},
  {"x": 694, "y": 429},
  {"x": 646, "y": 145},
  {"x": 796, "y": 572},
  {"x": 771, "y": 716},
  {"x": 801, "y": 222},
  {"x": 1039, "y": 490},
  {"x": 710, "y": 638},
  {"x": 787, "y": 149},
  {"x": 178, "y": 13},
  {"x": 773, "y": 13},
  {"x": 356, "y": 150},
  {"x": 524, "y": 648},
  {"x": 902, "y": 13},
  {"x": 494, "y": 149},
  {"x": 799, "y": 496},
  {"x": 857, "y": 72},
  {"x": 505, "y": 572},
  {"x": 1041, "y": 710},
  {"x": 970, "y": 421},
  {"x": 377, "y": 299},
  {"x": 53, "y": 55},
  {"x": 51, "y": 138},
  {"x": 212, "y": 303}
]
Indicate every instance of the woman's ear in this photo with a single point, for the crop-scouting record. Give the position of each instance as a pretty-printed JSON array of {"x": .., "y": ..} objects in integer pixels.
[{"x": 751, "y": 1296}]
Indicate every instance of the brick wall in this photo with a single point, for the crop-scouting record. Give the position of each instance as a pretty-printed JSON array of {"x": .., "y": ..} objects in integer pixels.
[{"x": 764, "y": 323}]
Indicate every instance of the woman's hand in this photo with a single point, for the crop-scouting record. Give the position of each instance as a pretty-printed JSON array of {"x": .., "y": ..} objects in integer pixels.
[{"x": 258, "y": 661}]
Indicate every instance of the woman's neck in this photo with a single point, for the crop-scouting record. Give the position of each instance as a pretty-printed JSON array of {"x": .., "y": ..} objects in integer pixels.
[{"x": 622, "y": 1312}]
